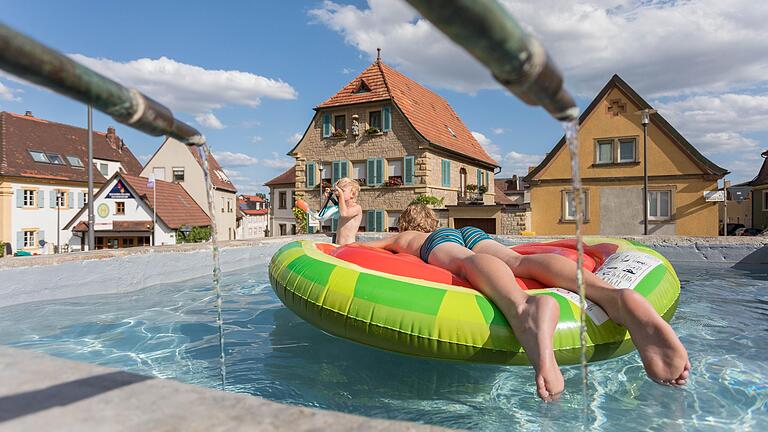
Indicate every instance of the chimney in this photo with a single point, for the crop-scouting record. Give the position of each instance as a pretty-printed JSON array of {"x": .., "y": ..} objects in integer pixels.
[
  {"x": 515, "y": 182},
  {"x": 28, "y": 113},
  {"x": 111, "y": 137}
]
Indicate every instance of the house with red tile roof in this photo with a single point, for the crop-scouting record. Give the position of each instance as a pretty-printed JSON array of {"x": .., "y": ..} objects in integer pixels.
[
  {"x": 179, "y": 163},
  {"x": 399, "y": 140},
  {"x": 126, "y": 207},
  {"x": 254, "y": 215},
  {"x": 43, "y": 177},
  {"x": 282, "y": 200}
]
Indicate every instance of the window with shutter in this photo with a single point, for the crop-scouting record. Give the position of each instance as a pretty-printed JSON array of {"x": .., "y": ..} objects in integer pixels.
[
  {"x": 370, "y": 222},
  {"x": 379, "y": 220},
  {"x": 479, "y": 177},
  {"x": 408, "y": 165},
  {"x": 310, "y": 175},
  {"x": 387, "y": 120},
  {"x": 326, "y": 125},
  {"x": 446, "y": 173}
]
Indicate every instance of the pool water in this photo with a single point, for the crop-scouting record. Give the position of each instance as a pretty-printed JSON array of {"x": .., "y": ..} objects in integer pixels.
[{"x": 169, "y": 331}]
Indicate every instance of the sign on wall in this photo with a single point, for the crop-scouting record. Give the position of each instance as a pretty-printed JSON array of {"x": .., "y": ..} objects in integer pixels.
[
  {"x": 119, "y": 191},
  {"x": 103, "y": 210},
  {"x": 103, "y": 226},
  {"x": 717, "y": 195}
]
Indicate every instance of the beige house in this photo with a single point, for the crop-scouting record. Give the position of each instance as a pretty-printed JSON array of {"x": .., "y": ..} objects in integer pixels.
[
  {"x": 177, "y": 162},
  {"x": 399, "y": 140},
  {"x": 281, "y": 198}
]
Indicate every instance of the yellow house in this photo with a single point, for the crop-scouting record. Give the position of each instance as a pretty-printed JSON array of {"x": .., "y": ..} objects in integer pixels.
[{"x": 611, "y": 165}]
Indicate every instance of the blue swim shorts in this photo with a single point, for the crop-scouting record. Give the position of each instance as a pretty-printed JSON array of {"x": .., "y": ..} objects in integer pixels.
[
  {"x": 438, "y": 237},
  {"x": 472, "y": 236}
]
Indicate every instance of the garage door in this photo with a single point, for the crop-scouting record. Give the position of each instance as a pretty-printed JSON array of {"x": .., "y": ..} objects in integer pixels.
[{"x": 486, "y": 224}]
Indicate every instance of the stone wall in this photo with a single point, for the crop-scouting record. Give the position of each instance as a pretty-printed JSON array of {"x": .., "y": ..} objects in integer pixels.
[{"x": 513, "y": 222}]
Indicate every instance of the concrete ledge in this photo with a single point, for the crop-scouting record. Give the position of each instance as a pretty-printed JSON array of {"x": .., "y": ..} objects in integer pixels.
[{"x": 41, "y": 393}]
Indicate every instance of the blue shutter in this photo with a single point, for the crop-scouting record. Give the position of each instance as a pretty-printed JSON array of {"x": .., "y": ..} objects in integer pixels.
[
  {"x": 19, "y": 197},
  {"x": 387, "y": 120},
  {"x": 80, "y": 200},
  {"x": 326, "y": 125},
  {"x": 446, "y": 172},
  {"x": 40, "y": 199},
  {"x": 370, "y": 224},
  {"x": 379, "y": 171},
  {"x": 52, "y": 203},
  {"x": 310, "y": 175},
  {"x": 479, "y": 178},
  {"x": 408, "y": 170},
  {"x": 379, "y": 220},
  {"x": 370, "y": 175},
  {"x": 20, "y": 240},
  {"x": 344, "y": 169},
  {"x": 334, "y": 225},
  {"x": 40, "y": 236},
  {"x": 71, "y": 199},
  {"x": 488, "y": 180},
  {"x": 339, "y": 170}
]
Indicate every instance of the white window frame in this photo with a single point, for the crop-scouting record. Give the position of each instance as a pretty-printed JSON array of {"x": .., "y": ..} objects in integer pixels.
[
  {"x": 634, "y": 149},
  {"x": 598, "y": 143},
  {"x": 359, "y": 170},
  {"x": 104, "y": 169},
  {"x": 55, "y": 159},
  {"x": 30, "y": 194},
  {"x": 566, "y": 206},
  {"x": 30, "y": 239},
  {"x": 159, "y": 173},
  {"x": 61, "y": 199},
  {"x": 43, "y": 158},
  {"x": 75, "y": 161},
  {"x": 177, "y": 169},
  {"x": 118, "y": 213},
  {"x": 657, "y": 198}
]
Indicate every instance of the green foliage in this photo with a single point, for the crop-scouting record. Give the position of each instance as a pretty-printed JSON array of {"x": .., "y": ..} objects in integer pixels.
[
  {"x": 196, "y": 235},
  {"x": 301, "y": 220},
  {"x": 471, "y": 187},
  {"x": 372, "y": 131},
  {"x": 482, "y": 189},
  {"x": 428, "y": 200},
  {"x": 2, "y": 249}
]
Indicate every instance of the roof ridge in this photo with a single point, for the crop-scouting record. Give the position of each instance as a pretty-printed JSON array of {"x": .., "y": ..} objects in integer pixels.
[{"x": 384, "y": 77}]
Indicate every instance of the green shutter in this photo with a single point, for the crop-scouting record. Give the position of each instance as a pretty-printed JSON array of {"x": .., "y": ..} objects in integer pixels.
[
  {"x": 310, "y": 176},
  {"x": 335, "y": 171},
  {"x": 408, "y": 170},
  {"x": 370, "y": 224},
  {"x": 326, "y": 125},
  {"x": 379, "y": 171},
  {"x": 387, "y": 120},
  {"x": 488, "y": 180},
  {"x": 344, "y": 168},
  {"x": 370, "y": 175},
  {"x": 446, "y": 173},
  {"x": 379, "y": 220},
  {"x": 334, "y": 225},
  {"x": 479, "y": 178}
]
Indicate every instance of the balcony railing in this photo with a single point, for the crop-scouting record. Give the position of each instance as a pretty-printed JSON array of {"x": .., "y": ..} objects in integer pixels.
[{"x": 466, "y": 197}]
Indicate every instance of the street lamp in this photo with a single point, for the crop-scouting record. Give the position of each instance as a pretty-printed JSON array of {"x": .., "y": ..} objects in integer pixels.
[
  {"x": 645, "y": 119},
  {"x": 185, "y": 230},
  {"x": 320, "y": 230}
]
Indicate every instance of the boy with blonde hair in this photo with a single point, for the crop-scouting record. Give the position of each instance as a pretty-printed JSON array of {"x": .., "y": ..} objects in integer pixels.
[
  {"x": 488, "y": 266},
  {"x": 350, "y": 212}
]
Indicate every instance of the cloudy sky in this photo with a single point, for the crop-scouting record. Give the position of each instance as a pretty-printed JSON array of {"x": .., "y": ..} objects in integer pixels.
[{"x": 249, "y": 73}]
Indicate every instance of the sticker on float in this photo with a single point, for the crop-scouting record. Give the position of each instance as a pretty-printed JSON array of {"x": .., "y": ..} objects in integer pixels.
[
  {"x": 594, "y": 311},
  {"x": 626, "y": 269}
]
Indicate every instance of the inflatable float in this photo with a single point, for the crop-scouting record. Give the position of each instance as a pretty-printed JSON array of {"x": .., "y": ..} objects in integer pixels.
[{"x": 399, "y": 303}]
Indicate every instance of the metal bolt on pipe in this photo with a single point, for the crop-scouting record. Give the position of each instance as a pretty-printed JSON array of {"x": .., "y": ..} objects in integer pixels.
[{"x": 37, "y": 63}]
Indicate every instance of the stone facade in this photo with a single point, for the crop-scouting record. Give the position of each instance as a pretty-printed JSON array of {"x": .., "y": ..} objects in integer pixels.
[
  {"x": 393, "y": 145},
  {"x": 514, "y": 222}
]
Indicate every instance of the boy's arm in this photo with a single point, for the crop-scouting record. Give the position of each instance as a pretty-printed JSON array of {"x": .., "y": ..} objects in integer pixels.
[{"x": 385, "y": 243}]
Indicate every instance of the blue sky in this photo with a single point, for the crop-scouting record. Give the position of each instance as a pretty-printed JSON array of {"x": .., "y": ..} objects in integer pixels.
[{"x": 249, "y": 73}]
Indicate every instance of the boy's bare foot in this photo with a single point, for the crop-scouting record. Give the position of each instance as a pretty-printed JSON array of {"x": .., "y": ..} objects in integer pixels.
[
  {"x": 534, "y": 329},
  {"x": 664, "y": 356}
]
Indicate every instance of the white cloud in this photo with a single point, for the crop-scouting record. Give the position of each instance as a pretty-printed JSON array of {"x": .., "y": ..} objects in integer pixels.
[
  {"x": 492, "y": 149},
  {"x": 498, "y": 131},
  {"x": 518, "y": 163},
  {"x": 293, "y": 139},
  {"x": 7, "y": 94},
  {"x": 279, "y": 161},
  {"x": 347, "y": 71},
  {"x": 209, "y": 120},
  {"x": 189, "y": 88},
  {"x": 660, "y": 47},
  {"x": 231, "y": 159},
  {"x": 143, "y": 158},
  {"x": 257, "y": 139}
]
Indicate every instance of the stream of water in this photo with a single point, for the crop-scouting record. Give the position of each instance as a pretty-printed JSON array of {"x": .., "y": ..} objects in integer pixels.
[{"x": 204, "y": 152}]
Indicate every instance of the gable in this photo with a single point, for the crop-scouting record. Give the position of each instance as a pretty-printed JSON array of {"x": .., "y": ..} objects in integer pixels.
[{"x": 614, "y": 114}]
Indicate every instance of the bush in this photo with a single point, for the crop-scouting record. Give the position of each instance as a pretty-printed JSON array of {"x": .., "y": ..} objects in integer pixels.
[
  {"x": 372, "y": 130},
  {"x": 482, "y": 189},
  {"x": 301, "y": 220},
  {"x": 428, "y": 200},
  {"x": 471, "y": 187},
  {"x": 196, "y": 235}
]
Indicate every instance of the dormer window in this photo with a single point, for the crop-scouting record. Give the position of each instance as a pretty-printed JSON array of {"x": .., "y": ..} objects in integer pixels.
[
  {"x": 75, "y": 161},
  {"x": 55, "y": 159},
  {"x": 451, "y": 131},
  {"x": 39, "y": 156},
  {"x": 362, "y": 87}
]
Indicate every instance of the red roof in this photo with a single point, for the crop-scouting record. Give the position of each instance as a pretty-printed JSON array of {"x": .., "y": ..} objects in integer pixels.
[
  {"x": 174, "y": 205},
  {"x": 244, "y": 198},
  {"x": 429, "y": 113},
  {"x": 146, "y": 226},
  {"x": 258, "y": 212},
  {"x": 20, "y": 134},
  {"x": 288, "y": 177},
  {"x": 218, "y": 177}
]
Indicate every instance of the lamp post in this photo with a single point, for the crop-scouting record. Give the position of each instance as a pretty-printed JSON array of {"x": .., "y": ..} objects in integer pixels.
[
  {"x": 320, "y": 230},
  {"x": 645, "y": 119},
  {"x": 58, "y": 221}
]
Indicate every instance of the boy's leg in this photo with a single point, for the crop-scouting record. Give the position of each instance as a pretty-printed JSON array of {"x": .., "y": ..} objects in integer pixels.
[
  {"x": 532, "y": 318},
  {"x": 664, "y": 356}
]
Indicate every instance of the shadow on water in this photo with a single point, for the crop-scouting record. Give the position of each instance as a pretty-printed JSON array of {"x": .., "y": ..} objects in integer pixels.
[{"x": 755, "y": 263}]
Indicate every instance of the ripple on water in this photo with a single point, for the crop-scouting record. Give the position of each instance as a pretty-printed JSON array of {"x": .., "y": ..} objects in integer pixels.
[{"x": 170, "y": 331}]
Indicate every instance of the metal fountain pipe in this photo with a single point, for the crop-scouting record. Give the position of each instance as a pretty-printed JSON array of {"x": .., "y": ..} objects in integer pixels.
[
  {"x": 35, "y": 62},
  {"x": 516, "y": 59}
]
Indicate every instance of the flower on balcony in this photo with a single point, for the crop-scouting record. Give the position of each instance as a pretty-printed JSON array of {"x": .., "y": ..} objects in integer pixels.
[
  {"x": 362, "y": 181},
  {"x": 482, "y": 189},
  {"x": 339, "y": 133},
  {"x": 372, "y": 131},
  {"x": 471, "y": 187},
  {"x": 326, "y": 183},
  {"x": 394, "y": 181}
]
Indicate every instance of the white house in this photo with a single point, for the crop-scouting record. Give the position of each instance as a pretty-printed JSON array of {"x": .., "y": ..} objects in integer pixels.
[
  {"x": 281, "y": 196},
  {"x": 43, "y": 180},
  {"x": 254, "y": 215},
  {"x": 124, "y": 213},
  {"x": 177, "y": 162}
]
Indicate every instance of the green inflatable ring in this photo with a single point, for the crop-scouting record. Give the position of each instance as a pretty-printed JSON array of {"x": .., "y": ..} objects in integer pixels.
[{"x": 441, "y": 320}]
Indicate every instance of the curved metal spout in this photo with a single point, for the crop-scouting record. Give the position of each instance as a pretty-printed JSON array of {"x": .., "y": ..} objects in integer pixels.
[
  {"x": 35, "y": 62},
  {"x": 516, "y": 59}
]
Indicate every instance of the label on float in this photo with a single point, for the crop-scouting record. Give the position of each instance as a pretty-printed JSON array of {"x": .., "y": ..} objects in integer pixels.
[
  {"x": 626, "y": 269},
  {"x": 594, "y": 311}
]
